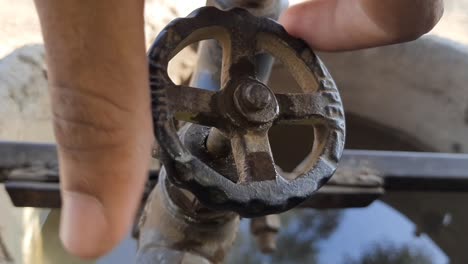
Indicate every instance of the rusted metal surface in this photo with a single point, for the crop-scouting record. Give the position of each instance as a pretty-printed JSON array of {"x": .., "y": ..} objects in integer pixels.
[
  {"x": 259, "y": 8},
  {"x": 176, "y": 228},
  {"x": 16, "y": 155},
  {"x": 244, "y": 110},
  {"x": 357, "y": 182},
  {"x": 265, "y": 230},
  {"x": 34, "y": 194},
  {"x": 207, "y": 73},
  {"x": 409, "y": 171}
]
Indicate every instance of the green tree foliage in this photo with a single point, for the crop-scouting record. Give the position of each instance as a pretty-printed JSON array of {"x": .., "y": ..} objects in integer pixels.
[
  {"x": 386, "y": 253},
  {"x": 298, "y": 239}
]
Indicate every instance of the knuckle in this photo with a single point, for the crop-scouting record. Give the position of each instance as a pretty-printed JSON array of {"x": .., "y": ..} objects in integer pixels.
[{"x": 88, "y": 121}]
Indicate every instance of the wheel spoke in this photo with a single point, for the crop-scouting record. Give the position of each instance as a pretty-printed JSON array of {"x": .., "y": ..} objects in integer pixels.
[
  {"x": 240, "y": 56},
  {"x": 194, "y": 105},
  {"x": 253, "y": 157},
  {"x": 310, "y": 108}
]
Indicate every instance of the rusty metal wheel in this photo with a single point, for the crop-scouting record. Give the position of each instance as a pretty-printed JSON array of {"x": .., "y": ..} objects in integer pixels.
[{"x": 243, "y": 110}]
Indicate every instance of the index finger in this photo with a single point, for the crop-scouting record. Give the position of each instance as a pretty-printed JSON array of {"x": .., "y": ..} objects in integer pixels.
[{"x": 333, "y": 25}]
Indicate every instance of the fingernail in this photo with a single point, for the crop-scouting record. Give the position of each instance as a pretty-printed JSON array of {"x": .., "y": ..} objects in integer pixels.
[{"x": 83, "y": 225}]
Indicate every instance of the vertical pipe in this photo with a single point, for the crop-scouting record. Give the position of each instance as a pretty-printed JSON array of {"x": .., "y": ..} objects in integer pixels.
[
  {"x": 175, "y": 227},
  {"x": 208, "y": 70}
]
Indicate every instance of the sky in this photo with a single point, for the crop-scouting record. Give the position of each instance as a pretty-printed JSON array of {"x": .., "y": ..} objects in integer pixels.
[{"x": 360, "y": 228}]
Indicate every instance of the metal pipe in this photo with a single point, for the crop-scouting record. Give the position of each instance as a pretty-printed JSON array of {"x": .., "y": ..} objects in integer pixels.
[
  {"x": 176, "y": 228},
  {"x": 262, "y": 8},
  {"x": 418, "y": 171},
  {"x": 217, "y": 144},
  {"x": 209, "y": 64}
]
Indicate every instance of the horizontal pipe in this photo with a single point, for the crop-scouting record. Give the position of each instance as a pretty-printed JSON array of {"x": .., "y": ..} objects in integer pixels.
[{"x": 400, "y": 171}]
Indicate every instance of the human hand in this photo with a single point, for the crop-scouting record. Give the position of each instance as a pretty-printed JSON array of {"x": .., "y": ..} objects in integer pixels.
[{"x": 335, "y": 25}]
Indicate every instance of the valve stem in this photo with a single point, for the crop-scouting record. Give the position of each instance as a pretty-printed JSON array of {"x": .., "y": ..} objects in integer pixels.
[{"x": 265, "y": 229}]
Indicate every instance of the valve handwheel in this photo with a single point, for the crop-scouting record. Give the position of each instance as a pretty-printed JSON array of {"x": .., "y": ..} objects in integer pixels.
[{"x": 243, "y": 110}]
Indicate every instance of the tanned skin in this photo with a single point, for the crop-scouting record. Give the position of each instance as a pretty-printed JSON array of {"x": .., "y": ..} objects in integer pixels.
[{"x": 98, "y": 83}]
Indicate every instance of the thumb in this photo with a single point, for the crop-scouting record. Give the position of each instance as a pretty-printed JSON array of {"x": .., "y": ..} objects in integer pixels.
[
  {"x": 101, "y": 189},
  {"x": 98, "y": 79},
  {"x": 104, "y": 149}
]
